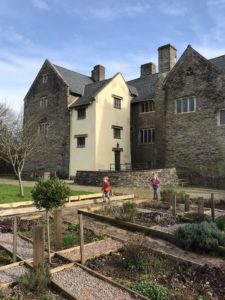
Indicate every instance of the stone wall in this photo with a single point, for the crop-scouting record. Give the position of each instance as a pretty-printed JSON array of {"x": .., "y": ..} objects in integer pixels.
[
  {"x": 138, "y": 179},
  {"x": 194, "y": 141},
  {"x": 54, "y": 157}
]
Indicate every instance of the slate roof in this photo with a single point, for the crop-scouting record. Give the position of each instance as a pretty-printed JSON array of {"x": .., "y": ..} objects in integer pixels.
[
  {"x": 219, "y": 62},
  {"x": 144, "y": 87},
  {"x": 76, "y": 81},
  {"x": 90, "y": 91}
]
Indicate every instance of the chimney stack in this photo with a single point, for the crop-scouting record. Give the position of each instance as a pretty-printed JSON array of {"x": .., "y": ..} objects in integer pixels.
[
  {"x": 98, "y": 73},
  {"x": 167, "y": 58},
  {"x": 148, "y": 69}
]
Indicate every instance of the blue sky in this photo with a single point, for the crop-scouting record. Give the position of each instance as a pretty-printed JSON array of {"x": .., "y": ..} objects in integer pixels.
[{"x": 121, "y": 35}]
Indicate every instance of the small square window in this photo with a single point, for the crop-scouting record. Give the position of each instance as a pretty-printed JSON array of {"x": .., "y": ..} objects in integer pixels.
[
  {"x": 45, "y": 78},
  {"x": 81, "y": 113},
  {"x": 81, "y": 141},
  {"x": 117, "y": 103}
]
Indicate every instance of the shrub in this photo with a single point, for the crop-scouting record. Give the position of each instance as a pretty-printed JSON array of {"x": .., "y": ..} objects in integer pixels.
[
  {"x": 167, "y": 194},
  {"x": 68, "y": 240},
  {"x": 220, "y": 222},
  {"x": 50, "y": 194},
  {"x": 151, "y": 290},
  {"x": 200, "y": 236},
  {"x": 128, "y": 211},
  {"x": 135, "y": 256},
  {"x": 35, "y": 280},
  {"x": 180, "y": 196}
]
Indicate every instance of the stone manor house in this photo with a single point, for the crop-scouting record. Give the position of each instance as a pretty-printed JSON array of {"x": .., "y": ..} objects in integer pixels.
[{"x": 171, "y": 118}]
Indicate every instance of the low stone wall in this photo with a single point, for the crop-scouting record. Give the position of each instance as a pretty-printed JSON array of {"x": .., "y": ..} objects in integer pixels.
[{"x": 138, "y": 179}]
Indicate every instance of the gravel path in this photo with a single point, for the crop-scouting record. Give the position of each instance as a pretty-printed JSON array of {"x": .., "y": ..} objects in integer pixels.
[
  {"x": 94, "y": 250},
  {"x": 11, "y": 274},
  {"x": 85, "y": 286},
  {"x": 24, "y": 248}
]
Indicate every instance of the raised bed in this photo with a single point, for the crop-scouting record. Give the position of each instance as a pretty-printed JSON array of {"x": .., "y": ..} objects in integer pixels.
[{"x": 182, "y": 280}]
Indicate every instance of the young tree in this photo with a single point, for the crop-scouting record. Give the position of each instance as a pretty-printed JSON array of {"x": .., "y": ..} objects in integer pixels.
[
  {"x": 17, "y": 141},
  {"x": 50, "y": 194}
]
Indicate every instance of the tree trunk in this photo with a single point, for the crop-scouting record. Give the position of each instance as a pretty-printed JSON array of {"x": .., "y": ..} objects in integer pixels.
[
  {"x": 20, "y": 185},
  {"x": 48, "y": 237}
]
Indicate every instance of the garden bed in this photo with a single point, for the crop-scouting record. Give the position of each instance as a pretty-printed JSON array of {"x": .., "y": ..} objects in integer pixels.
[
  {"x": 180, "y": 280},
  {"x": 5, "y": 258},
  {"x": 70, "y": 232}
]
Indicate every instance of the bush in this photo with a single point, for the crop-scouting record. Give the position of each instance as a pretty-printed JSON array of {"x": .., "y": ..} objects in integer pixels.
[
  {"x": 128, "y": 211},
  {"x": 50, "y": 194},
  {"x": 200, "y": 236},
  {"x": 68, "y": 240},
  {"x": 167, "y": 194},
  {"x": 180, "y": 196},
  {"x": 220, "y": 222},
  {"x": 35, "y": 280},
  {"x": 135, "y": 256},
  {"x": 151, "y": 290}
]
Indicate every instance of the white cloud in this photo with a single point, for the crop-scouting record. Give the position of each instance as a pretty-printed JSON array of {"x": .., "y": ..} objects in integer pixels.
[
  {"x": 11, "y": 35},
  {"x": 41, "y": 4}
]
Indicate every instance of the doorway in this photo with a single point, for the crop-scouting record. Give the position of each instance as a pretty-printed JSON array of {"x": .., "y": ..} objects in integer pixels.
[{"x": 117, "y": 160}]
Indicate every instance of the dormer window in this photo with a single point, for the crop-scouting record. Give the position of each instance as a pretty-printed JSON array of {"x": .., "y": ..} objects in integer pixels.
[
  {"x": 45, "y": 78},
  {"x": 43, "y": 102},
  {"x": 148, "y": 106}
]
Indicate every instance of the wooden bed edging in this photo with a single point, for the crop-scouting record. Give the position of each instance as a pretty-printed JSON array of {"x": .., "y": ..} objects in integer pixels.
[
  {"x": 130, "y": 226},
  {"x": 112, "y": 282}
]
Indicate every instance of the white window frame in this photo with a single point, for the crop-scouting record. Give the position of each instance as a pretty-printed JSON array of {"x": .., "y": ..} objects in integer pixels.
[
  {"x": 218, "y": 117},
  {"x": 45, "y": 78},
  {"x": 44, "y": 102},
  {"x": 43, "y": 129},
  {"x": 149, "y": 103},
  {"x": 151, "y": 130},
  {"x": 188, "y": 109}
]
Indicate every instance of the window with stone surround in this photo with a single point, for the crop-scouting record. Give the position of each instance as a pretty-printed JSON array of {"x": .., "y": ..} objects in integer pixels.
[
  {"x": 147, "y": 106},
  {"x": 117, "y": 131},
  {"x": 221, "y": 117},
  {"x": 147, "y": 136},
  {"x": 185, "y": 105},
  {"x": 43, "y": 129},
  {"x": 117, "y": 102},
  {"x": 81, "y": 140},
  {"x": 81, "y": 113},
  {"x": 43, "y": 102},
  {"x": 45, "y": 78}
]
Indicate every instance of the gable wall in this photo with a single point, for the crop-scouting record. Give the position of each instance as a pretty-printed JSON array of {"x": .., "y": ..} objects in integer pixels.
[
  {"x": 55, "y": 156},
  {"x": 194, "y": 141}
]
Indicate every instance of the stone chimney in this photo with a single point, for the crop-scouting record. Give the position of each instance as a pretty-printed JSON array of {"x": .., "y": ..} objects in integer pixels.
[
  {"x": 167, "y": 58},
  {"x": 98, "y": 73},
  {"x": 148, "y": 69}
]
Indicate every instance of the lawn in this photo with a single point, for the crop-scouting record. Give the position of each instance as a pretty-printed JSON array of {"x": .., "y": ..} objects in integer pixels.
[{"x": 10, "y": 193}]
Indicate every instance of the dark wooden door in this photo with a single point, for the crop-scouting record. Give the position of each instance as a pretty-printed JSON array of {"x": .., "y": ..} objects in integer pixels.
[{"x": 117, "y": 160}]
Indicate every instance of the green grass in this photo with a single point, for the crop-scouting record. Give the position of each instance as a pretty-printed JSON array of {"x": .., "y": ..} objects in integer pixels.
[{"x": 10, "y": 193}]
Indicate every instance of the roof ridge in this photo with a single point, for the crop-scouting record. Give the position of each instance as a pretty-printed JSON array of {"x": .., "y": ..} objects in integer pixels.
[
  {"x": 70, "y": 70},
  {"x": 217, "y": 57}
]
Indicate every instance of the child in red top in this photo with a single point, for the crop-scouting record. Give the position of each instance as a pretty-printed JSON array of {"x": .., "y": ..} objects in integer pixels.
[{"x": 106, "y": 188}]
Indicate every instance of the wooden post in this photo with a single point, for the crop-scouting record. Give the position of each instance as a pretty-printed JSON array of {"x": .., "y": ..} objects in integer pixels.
[
  {"x": 212, "y": 207},
  {"x": 187, "y": 203},
  {"x": 81, "y": 238},
  {"x": 14, "y": 238},
  {"x": 200, "y": 206},
  {"x": 58, "y": 229},
  {"x": 39, "y": 246},
  {"x": 174, "y": 204}
]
